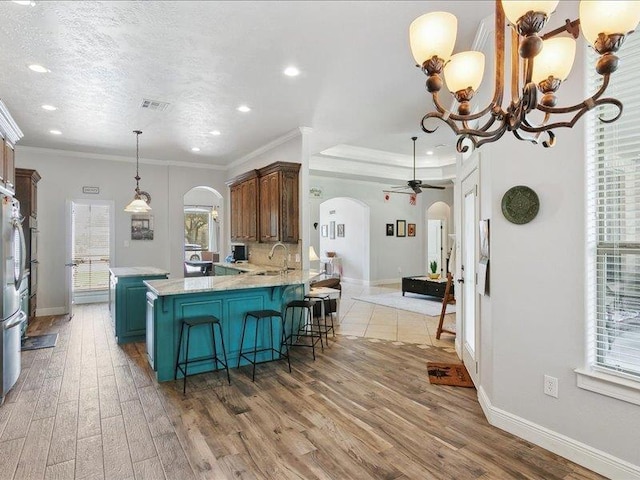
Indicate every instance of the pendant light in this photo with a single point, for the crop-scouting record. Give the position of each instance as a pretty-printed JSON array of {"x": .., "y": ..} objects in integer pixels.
[{"x": 141, "y": 200}]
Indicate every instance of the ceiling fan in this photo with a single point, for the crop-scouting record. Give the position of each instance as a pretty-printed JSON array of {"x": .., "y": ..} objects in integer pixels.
[{"x": 415, "y": 186}]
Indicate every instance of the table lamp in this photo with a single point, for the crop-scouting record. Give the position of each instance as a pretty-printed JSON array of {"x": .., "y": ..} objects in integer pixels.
[{"x": 313, "y": 256}]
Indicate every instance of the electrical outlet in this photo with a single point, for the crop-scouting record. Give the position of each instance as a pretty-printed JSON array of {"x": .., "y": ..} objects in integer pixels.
[
  {"x": 551, "y": 386},
  {"x": 288, "y": 257},
  {"x": 297, "y": 258}
]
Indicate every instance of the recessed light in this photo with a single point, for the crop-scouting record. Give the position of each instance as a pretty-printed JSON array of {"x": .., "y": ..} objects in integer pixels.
[
  {"x": 26, "y": 3},
  {"x": 51, "y": 108},
  {"x": 429, "y": 152},
  {"x": 38, "y": 68},
  {"x": 215, "y": 132},
  {"x": 291, "y": 71},
  {"x": 244, "y": 109},
  {"x": 195, "y": 149},
  {"x": 55, "y": 132}
]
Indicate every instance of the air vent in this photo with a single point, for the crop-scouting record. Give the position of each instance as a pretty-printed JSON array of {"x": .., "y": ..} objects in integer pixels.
[{"x": 156, "y": 105}]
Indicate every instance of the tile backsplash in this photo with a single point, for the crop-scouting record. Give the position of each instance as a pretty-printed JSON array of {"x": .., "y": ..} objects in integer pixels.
[{"x": 258, "y": 254}]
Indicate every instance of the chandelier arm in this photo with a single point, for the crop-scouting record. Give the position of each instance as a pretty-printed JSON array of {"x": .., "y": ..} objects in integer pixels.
[
  {"x": 497, "y": 134},
  {"x": 578, "y": 106},
  {"x": 460, "y": 118},
  {"x": 576, "y": 117}
]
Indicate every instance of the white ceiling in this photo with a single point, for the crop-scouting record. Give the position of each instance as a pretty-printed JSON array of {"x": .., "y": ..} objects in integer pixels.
[{"x": 359, "y": 86}]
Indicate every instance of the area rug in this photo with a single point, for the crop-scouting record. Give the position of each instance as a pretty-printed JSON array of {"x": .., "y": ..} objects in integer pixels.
[
  {"x": 40, "y": 341},
  {"x": 411, "y": 302},
  {"x": 452, "y": 374}
]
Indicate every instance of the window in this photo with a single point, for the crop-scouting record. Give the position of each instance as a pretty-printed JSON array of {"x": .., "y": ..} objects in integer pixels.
[
  {"x": 613, "y": 235},
  {"x": 200, "y": 229},
  {"x": 90, "y": 251}
]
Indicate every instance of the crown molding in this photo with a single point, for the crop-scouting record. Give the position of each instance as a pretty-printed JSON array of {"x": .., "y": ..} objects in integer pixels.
[
  {"x": 116, "y": 158},
  {"x": 296, "y": 132},
  {"x": 8, "y": 126}
]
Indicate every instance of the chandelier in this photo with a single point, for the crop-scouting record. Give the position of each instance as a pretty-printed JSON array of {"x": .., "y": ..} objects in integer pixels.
[
  {"x": 141, "y": 200},
  {"x": 538, "y": 62}
]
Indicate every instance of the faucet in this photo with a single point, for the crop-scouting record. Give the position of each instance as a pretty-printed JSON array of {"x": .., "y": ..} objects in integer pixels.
[{"x": 286, "y": 255}]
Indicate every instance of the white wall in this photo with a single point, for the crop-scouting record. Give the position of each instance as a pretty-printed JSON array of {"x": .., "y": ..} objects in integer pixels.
[
  {"x": 534, "y": 322},
  {"x": 63, "y": 176},
  {"x": 390, "y": 257},
  {"x": 353, "y": 248}
]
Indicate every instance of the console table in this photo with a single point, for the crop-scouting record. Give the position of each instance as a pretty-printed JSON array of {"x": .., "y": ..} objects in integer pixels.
[{"x": 425, "y": 286}]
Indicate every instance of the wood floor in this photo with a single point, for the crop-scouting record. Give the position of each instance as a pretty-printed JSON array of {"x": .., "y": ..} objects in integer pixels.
[{"x": 363, "y": 410}]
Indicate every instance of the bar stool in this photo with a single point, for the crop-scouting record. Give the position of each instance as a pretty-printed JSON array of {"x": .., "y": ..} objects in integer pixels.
[
  {"x": 189, "y": 323},
  {"x": 305, "y": 324},
  {"x": 259, "y": 315},
  {"x": 323, "y": 304}
]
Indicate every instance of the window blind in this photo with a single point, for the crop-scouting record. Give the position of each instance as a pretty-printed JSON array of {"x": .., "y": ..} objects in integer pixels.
[
  {"x": 613, "y": 231},
  {"x": 90, "y": 247}
]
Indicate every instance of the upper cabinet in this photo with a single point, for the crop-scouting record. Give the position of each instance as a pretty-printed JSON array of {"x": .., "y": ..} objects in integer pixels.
[
  {"x": 244, "y": 207},
  {"x": 264, "y": 204},
  {"x": 9, "y": 135},
  {"x": 279, "y": 209}
]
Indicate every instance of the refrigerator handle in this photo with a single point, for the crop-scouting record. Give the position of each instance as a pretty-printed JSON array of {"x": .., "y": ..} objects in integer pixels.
[
  {"x": 23, "y": 250},
  {"x": 21, "y": 318}
]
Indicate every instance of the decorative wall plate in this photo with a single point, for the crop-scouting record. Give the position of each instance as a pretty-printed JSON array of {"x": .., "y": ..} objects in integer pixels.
[{"x": 520, "y": 204}]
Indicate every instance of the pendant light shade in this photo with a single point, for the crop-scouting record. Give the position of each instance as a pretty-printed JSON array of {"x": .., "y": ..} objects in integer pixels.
[
  {"x": 433, "y": 34},
  {"x": 141, "y": 200}
]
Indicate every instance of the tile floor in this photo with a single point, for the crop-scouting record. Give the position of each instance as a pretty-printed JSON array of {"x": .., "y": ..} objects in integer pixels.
[{"x": 362, "y": 319}]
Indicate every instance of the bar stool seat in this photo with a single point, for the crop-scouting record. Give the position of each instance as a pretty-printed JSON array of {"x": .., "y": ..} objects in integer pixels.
[
  {"x": 182, "y": 366},
  {"x": 260, "y": 315},
  {"x": 305, "y": 325},
  {"x": 324, "y": 313}
]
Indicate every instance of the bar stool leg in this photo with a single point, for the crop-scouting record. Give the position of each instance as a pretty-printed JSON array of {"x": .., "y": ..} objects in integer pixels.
[
  {"x": 213, "y": 342},
  {"x": 186, "y": 365},
  {"x": 255, "y": 351},
  {"x": 244, "y": 327},
  {"x": 175, "y": 373},
  {"x": 224, "y": 353},
  {"x": 309, "y": 315},
  {"x": 271, "y": 337},
  {"x": 283, "y": 343}
]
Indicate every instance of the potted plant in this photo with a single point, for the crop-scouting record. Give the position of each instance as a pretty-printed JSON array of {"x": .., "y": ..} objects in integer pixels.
[{"x": 434, "y": 269}]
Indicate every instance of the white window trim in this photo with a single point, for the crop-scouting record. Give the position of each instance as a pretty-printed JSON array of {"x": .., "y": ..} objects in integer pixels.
[
  {"x": 608, "y": 384},
  {"x": 589, "y": 377}
]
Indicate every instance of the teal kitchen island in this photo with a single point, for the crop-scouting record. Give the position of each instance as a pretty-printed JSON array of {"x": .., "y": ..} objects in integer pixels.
[
  {"x": 127, "y": 300},
  {"x": 227, "y": 297}
]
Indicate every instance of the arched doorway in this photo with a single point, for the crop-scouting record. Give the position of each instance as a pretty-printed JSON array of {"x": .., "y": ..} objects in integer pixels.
[
  {"x": 203, "y": 210},
  {"x": 344, "y": 230},
  {"x": 438, "y": 244}
]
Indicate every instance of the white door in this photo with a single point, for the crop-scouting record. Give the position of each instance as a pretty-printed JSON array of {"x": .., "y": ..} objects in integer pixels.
[
  {"x": 467, "y": 283},
  {"x": 89, "y": 251}
]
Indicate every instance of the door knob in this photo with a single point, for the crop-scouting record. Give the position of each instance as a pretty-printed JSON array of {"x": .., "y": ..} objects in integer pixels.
[
  {"x": 70, "y": 264},
  {"x": 461, "y": 280}
]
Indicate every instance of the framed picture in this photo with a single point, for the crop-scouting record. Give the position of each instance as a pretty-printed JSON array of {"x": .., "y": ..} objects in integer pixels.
[
  {"x": 401, "y": 228},
  {"x": 325, "y": 230},
  {"x": 141, "y": 227},
  {"x": 332, "y": 230},
  {"x": 341, "y": 229},
  {"x": 411, "y": 229},
  {"x": 390, "y": 230}
]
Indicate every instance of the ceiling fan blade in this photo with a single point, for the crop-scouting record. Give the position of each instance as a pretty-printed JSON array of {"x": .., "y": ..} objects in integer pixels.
[
  {"x": 399, "y": 191},
  {"x": 436, "y": 187}
]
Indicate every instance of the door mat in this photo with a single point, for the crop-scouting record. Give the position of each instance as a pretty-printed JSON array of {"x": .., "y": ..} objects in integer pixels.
[
  {"x": 40, "y": 341},
  {"x": 453, "y": 374}
]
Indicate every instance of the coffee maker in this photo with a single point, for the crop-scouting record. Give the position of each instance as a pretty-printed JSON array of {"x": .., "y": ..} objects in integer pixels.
[{"x": 240, "y": 253}]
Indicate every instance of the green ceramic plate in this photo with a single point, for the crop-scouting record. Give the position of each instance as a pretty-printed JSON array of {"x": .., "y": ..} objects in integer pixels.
[{"x": 520, "y": 204}]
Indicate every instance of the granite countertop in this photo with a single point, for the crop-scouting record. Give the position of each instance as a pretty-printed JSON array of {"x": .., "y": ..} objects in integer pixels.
[
  {"x": 189, "y": 285},
  {"x": 137, "y": 271},
  {"x": 246, "y": 267}
]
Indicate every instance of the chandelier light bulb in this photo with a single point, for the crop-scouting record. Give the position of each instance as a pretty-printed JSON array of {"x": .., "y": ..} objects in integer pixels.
[
  {"x": 608, "y": 17},
  {"x": 433, "y": 34},
  {"x": 514, "y": 10}
]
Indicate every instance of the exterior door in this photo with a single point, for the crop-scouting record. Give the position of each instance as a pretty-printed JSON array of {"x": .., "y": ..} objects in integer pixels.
[{"x": 469, "y": 260}]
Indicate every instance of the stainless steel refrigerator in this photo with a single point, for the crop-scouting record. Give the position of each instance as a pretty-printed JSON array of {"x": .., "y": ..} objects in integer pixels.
[{"x": 12, "y": 270}]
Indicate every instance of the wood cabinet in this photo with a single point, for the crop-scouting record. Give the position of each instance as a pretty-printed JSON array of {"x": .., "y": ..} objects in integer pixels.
[
  {"x": 9, "y": 164},
  {"x": 264, "y": 204},
  {"x": 27, "y": 194},
  {"x": 279, "y": 209},
  {"x": 244, "y": 205}
]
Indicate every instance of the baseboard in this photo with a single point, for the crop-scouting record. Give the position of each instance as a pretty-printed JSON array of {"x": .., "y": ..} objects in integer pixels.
[
  {"x": 41, "y": 312},
  {"x": 384, "y": 281},
  {"x": 578, "y": 452}
]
